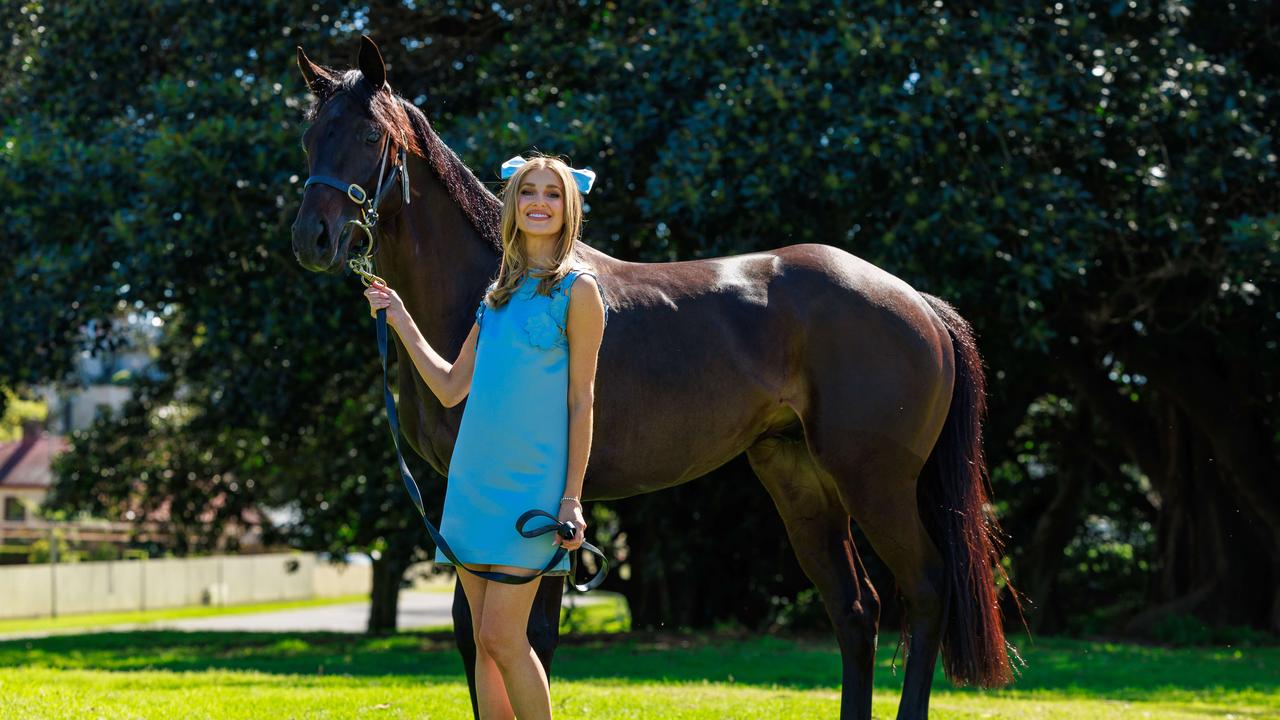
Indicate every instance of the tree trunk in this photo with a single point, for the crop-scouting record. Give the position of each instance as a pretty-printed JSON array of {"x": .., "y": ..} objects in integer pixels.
[
  {"x": 1240, "y": 442},
  {"x": 1200, "y": 445},
  {"x": 1211, "y": 562},
  {"x": 1058, "y": 523},
  {"x": 1226, "y": 506},
  {"x": 388, "y": 575}
]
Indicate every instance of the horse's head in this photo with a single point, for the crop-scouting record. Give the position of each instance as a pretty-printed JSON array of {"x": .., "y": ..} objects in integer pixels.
[{"x": 359, "y": 133}]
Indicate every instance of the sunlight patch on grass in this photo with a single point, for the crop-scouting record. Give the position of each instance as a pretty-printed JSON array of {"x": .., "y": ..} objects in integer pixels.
[
  {"x": 225, "y": 695},
  {"x": 598, "y": 675}
]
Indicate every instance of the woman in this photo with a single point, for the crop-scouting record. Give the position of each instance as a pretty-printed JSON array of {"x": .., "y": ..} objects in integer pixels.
[{"x": 528, "y": 370}]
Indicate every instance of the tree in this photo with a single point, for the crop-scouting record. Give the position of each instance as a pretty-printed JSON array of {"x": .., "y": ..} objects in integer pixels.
[
  {"x": 1078, "y": 178},
  {"x": 168, "y": 135},
  {"x": 1093, "y": 185}
]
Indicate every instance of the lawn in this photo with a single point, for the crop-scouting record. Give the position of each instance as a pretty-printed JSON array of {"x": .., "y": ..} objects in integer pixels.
[{"x": 418, "y": 674}]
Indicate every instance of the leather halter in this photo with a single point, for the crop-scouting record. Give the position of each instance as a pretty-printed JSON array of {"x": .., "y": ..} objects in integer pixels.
[{"x": 362, "y": 265}]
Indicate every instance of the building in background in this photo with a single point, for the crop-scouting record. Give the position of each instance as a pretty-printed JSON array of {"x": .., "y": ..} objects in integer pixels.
[
  {"x": 98, "y": 385},
  {"x": 25, "y": 474}
]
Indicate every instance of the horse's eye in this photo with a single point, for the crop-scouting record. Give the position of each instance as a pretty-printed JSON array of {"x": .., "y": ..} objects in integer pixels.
[{"x": 372, "y": 137}]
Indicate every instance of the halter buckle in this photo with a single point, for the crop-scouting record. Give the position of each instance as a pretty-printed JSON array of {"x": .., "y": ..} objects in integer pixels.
[{"x": 352, "y": 191}]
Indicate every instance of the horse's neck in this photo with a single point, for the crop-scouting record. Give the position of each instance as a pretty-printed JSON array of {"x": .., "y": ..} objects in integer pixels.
[{"x": 436, "y": 261}]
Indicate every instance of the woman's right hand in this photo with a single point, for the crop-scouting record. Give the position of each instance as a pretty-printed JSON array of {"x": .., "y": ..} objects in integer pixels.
[{"x": 382, "y": 296}]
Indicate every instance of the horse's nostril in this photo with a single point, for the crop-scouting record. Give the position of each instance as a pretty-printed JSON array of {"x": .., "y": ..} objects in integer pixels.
[{"x": 322, "y": 235}]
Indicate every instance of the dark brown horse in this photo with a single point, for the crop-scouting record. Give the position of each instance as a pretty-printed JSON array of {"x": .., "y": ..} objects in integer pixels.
[{"x": 854, "y": 396}]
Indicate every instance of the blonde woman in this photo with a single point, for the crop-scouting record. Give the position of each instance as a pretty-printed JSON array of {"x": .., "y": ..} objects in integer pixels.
[{"x": 527, "y": 369}]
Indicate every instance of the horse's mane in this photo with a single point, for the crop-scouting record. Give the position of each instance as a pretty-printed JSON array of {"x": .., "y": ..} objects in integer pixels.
[{"x": 406, "y": 122}]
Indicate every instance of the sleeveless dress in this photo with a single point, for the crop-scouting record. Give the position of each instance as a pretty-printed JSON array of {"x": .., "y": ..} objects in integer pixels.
[{"x": 512, "y": 451}]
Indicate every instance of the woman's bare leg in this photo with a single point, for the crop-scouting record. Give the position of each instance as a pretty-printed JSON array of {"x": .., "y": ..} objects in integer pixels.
[
  {"x": 504, "y": 634},
  {"x": 491, "y": 691}
]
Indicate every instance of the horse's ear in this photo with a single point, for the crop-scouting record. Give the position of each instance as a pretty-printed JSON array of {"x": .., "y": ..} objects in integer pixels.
[
  {"x": 371, "y": 65},
  {"x": 317, "y": 79}
]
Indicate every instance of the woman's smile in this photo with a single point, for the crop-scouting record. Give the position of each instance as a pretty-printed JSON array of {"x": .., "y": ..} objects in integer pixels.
[{"x": 541, "y": 205}]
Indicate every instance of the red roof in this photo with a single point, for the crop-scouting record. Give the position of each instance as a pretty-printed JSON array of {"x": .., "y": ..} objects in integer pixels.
[{"x": 26, "y": 463}]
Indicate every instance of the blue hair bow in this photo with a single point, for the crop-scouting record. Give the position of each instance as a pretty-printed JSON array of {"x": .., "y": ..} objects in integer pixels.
[{"x": 584, "y": 178}]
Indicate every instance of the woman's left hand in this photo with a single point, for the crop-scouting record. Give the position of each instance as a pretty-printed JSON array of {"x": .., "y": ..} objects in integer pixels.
[{"x": 572, "y": 511}]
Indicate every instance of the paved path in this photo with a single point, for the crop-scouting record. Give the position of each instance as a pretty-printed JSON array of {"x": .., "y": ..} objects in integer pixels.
[{"x": 416, "y": 610}]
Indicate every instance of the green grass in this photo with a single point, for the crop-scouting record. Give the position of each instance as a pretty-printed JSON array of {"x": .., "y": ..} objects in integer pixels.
[
  {"x": 70, "y": 622},
  {"x": 597, "y": 674}
]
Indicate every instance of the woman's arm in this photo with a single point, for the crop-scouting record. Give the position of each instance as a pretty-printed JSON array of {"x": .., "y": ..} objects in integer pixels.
[
  {"x": 451, "y": 382},
  {"x": 585, "y": 330}
]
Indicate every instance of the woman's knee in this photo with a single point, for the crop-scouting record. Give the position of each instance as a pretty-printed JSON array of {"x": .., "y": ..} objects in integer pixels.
[
  {"x": 505, "y": 620},
  {"x": 501, "y": 641}
]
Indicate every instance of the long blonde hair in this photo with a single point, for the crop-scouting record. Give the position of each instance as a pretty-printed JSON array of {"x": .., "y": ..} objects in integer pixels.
[{"x": 515, "y": 264}]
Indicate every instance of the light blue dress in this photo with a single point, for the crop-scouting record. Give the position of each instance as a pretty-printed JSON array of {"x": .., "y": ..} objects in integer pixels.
[{"x": 512, "y": 451}]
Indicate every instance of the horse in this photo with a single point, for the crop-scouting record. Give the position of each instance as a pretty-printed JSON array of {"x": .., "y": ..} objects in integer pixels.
[{"x": 855, "y": 397}]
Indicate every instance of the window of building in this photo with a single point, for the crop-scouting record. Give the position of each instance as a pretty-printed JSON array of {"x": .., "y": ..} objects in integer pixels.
[{"x": 14, "y": 510}]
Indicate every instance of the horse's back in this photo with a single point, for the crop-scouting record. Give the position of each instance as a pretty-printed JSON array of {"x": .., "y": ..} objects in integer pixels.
[{"x": 745, "y": 336}]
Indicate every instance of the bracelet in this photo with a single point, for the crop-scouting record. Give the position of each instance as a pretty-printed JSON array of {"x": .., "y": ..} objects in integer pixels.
[{"x": 571, "y": 497}]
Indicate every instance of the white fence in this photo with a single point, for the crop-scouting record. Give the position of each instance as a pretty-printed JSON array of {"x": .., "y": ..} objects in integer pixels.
[{"x": 29, "y": 591}]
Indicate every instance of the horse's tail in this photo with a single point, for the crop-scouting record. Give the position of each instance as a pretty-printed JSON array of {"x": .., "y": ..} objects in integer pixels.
[{"x": 953, "y": 501}]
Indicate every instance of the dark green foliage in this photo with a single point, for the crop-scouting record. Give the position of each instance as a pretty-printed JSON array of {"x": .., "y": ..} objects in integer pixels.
[
  {"x": 154, "y": 169},
  {"x": 1094, "y": 186}
]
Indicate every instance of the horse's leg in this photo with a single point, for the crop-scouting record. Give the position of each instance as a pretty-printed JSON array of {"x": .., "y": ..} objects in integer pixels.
[
  {"x": 544, "y": 629},
  {"x": 465, "y": 638},
  {"x": 544, "y": 620},
  {"x": 876, "y": 483},
  {"x": 818, "y": 527}
]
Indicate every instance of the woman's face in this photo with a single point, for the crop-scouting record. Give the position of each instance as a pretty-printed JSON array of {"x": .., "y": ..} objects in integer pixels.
[{"x": 541, "y": 204}]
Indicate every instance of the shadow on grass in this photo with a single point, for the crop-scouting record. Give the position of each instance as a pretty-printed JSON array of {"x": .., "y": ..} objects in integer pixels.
[
  {"x": 1071, "y": 668},
  {"x": 304, "y": 653}
]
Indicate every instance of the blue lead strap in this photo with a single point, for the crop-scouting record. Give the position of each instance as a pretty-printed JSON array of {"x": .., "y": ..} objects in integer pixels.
[{"x": 566, "y": 529}]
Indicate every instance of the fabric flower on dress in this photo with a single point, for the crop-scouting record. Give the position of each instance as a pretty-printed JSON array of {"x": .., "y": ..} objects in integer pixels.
[
  {"x": 543, "y": 331},
  {"x": 559, "y": 304},
  {"x": 546, "y": 329}
]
